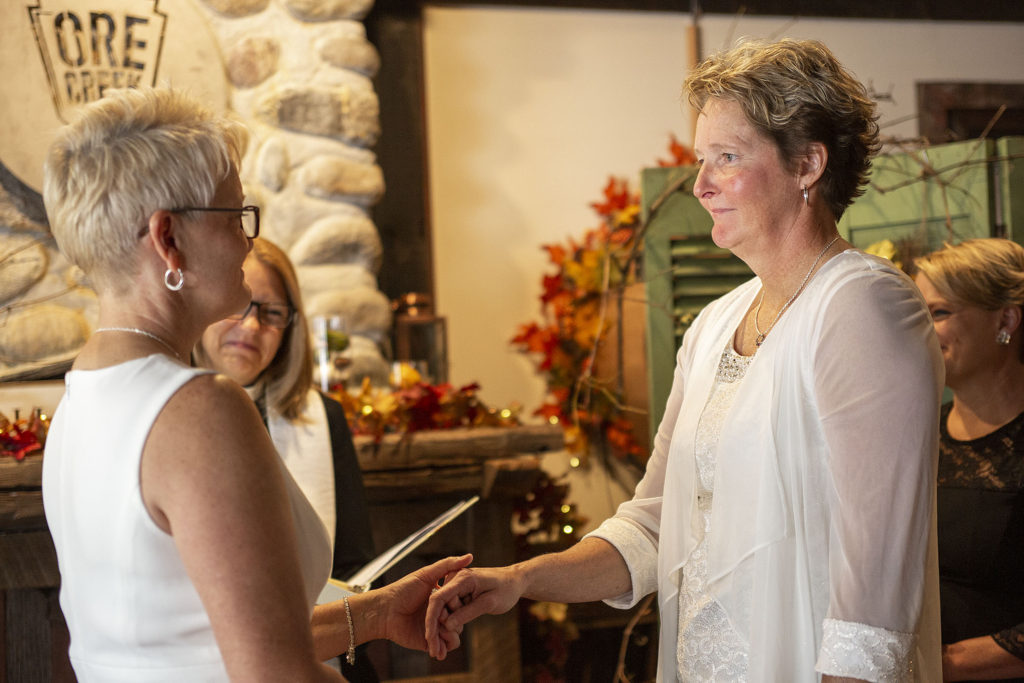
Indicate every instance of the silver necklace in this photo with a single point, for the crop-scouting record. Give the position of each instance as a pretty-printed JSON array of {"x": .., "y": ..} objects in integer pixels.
[
  {"x": 144, "y": 333},
  {"x": 761, "y": 335}
]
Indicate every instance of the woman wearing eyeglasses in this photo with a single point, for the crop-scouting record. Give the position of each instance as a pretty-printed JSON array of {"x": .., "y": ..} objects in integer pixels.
[
  {"x": 266, "y": 349},
  {"x": 187, "y": 550}
]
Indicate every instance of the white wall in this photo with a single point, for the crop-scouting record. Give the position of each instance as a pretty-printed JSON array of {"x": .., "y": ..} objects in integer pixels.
[{"x": 529, "y": 111}]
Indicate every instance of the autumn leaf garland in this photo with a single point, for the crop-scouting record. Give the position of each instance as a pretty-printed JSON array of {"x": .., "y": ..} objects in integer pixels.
[{"x": 572, "y": 304}]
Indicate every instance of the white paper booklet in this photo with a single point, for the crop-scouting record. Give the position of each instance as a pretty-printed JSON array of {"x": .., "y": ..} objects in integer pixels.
[{"x": 362, "y": 579}]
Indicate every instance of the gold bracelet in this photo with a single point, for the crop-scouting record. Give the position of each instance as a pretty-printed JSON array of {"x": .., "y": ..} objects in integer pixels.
[{"x": 350, "y": 657}]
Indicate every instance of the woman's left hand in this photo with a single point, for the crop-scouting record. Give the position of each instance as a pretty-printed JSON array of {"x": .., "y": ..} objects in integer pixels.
[{"x": 404, "y": 605}]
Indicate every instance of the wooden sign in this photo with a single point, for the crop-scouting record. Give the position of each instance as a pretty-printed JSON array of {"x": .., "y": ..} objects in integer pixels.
[{"x": 60, "y": 54}]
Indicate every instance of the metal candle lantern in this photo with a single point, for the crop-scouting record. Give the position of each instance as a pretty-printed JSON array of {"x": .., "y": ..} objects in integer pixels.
[{"x": 421, "y": 338}]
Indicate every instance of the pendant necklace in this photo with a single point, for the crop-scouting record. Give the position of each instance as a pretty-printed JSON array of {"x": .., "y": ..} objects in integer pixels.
[
  {"x": 761, "y": 335},
  {"x": 144, "y": 333}
]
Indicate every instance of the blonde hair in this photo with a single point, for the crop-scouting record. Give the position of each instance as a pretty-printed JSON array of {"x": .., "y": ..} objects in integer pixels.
[
  {"x": 133, "y": 152},
  {"x": 986, "y": 273},
  {"x": 289, "y": 375},
  {"x": 795, "y": 92}
]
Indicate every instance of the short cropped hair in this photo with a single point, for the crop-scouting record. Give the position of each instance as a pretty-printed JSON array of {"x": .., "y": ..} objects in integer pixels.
[
  {"x": 133, "y": 152},
  {"x": 986, "y": 273},
  {"x": 795, "y": 92},
  {"x": 289, "y": 375}
]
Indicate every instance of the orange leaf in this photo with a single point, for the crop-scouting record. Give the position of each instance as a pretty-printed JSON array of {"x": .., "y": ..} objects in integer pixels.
[
  {"x": 681, "y": 154},
  {"x": 556, "y": 253}
]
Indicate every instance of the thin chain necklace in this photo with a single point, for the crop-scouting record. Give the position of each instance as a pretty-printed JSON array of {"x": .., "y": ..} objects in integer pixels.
[
  {"x": 144, "y": 333},
  {"x": 761, "y": 335}
]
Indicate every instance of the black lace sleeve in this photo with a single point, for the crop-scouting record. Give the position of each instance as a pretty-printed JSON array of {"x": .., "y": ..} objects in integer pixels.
[{"x": 1012, "y": 640}]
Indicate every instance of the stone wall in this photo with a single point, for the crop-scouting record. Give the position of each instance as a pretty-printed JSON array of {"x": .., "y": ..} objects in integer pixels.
[{"x": 299, "y": 74}]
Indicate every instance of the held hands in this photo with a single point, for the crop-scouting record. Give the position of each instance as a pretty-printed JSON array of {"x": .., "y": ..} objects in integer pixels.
[
  {"x": 466, "y": 596},
  {"x": 405, "y": 604}
]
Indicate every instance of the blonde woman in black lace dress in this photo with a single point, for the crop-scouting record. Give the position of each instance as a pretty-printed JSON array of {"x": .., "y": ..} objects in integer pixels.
[{"x": 975, "y": 291}]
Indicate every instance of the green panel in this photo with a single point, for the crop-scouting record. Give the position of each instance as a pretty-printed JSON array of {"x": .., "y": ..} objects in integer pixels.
[
  {"x": 1009, "y": 173},
  {"x": 683, "y": 271},
  {"x": 931, "y": 196}
]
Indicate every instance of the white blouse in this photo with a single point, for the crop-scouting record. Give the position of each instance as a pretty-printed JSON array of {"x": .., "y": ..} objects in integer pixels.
[{"x": 821, "y": 548}]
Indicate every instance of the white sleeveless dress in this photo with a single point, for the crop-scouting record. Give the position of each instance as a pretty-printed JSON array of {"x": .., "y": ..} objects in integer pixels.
[{"x": 131, "y": 609}]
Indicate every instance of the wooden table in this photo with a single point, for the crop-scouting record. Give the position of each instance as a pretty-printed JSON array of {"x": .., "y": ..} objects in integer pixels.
[
  {"x": 409, "y": 479},
  {"x": 33, "y": 632}
]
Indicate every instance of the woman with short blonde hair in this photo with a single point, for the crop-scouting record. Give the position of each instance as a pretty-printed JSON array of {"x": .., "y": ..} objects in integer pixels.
[{"x": 975, "y": 292}]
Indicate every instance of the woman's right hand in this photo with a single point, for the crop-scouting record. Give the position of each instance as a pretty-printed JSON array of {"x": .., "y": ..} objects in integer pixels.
[{"x": 466, "y": 596}]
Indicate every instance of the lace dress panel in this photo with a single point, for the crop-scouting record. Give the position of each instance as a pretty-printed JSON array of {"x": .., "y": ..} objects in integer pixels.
[
  {"x": 994, "y": 462},
  {"x": 709, "y": 649},
  {"x": 981, "y": 540}
]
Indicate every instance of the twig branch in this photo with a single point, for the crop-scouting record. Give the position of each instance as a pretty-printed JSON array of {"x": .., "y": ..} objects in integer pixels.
[{"x": 620, "y": 669}]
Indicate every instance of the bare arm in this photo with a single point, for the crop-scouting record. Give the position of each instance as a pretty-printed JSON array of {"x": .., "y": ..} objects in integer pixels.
[
  {"x": 211, "y": 478},
  {"x": 978, "y": 659},
  {"x": 590, "y": 570}
]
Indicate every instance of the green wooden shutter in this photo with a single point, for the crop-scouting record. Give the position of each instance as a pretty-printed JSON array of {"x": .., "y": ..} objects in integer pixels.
[
  {"x": 683, "y": 271},
  {"x": 1009, "y": 183},
  {"x": 931, "y": 196}
]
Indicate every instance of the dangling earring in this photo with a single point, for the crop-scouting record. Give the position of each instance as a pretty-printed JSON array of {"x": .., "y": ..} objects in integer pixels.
[
  {"x": 806, "y": 196},
  {"x": 1003, "y": 337},
  {"x": 177, "y": 285}
]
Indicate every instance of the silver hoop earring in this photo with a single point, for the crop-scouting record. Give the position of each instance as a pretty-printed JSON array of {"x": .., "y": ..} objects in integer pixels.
[
  {"x": 177, "y": 285},
  {"x": 806, "y": 196},
  {"x": 1003, "y": 338}
]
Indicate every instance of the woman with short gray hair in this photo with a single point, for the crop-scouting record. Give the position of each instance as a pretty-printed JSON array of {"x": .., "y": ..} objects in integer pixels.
[{"x": 186, "y": 550}]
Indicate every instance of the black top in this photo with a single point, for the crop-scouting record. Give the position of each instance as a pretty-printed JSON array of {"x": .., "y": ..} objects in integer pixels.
[
  {"x": 353, "y": 540},
  {"x": 981, "y": 535}
]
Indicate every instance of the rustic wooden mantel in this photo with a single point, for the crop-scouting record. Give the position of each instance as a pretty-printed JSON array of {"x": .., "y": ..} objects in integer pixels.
[
  {"x": 406, "y": 477},
  {"x": 485, "y": 460}
]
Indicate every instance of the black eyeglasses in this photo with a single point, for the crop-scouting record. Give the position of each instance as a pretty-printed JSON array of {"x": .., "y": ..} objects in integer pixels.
[
  {"x": 270, "y": 315},
  {"x": 248, "y": 217}
]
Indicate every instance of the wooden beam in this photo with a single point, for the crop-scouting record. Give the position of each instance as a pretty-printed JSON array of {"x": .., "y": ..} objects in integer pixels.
[{"x": 929, "y": 10}]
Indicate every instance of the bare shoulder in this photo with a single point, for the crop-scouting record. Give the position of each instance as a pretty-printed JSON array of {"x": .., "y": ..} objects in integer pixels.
[
  {"x": 208, "y": 439},
  {"x": 210, "y": 398},
  {"x": 210, "y": 414}
]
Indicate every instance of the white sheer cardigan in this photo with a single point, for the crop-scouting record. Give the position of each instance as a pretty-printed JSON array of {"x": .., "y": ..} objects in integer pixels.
[{"x": 822, "y": 549}]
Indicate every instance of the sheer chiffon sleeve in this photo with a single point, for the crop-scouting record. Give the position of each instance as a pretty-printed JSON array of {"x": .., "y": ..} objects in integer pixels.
[
  {"x": 633, "y": 530},
  {"x": 878, "y": 378}
]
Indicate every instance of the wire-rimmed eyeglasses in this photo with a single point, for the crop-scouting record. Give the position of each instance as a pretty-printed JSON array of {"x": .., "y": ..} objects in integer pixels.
[
  {"x": 269, "y": 315},
  {"x": 248, "y": 216}
]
